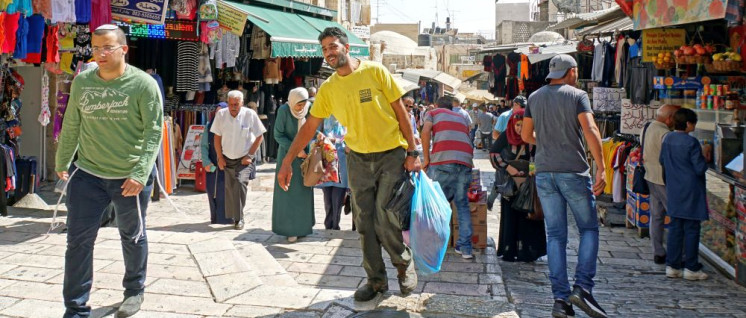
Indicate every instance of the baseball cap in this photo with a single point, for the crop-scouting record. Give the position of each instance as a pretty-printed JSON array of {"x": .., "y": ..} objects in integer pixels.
[
  {"x": 559, "y": 65},
  {"x": 520, "y": 100},
  {"x": 222, "y": 105}
]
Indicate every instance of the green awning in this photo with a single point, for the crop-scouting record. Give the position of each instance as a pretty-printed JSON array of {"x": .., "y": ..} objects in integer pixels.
[
  {"x": 290, "y": 35},
  {"x": 294, "y": 35},
  {"x": 357, "y": 46}
]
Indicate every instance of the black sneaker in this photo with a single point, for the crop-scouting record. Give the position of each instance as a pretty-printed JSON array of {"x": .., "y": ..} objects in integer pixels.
[
  {"x": 562, "y": 309},
  {"x": 584, "y": 300},
  {"x": 660, "y": 260}
]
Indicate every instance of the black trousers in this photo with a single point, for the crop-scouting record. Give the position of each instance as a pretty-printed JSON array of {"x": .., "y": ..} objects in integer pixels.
[{"x": 333, "y": 204}]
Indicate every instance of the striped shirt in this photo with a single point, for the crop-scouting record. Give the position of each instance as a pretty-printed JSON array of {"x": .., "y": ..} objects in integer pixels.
[{"x": 451, "y": 143}]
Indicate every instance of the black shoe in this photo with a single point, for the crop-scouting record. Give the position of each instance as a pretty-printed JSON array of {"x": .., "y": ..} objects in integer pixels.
[
  {"x": 368, "y": 292},
  {"x": 584, "y": 300},
  {"x": 239, "y": 225},
  {"x": 660, "y": 260},
  {"x": 562, "y": 309}
]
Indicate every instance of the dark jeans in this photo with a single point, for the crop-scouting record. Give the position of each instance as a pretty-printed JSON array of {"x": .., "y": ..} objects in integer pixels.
[
  {"x": 87, "y": 198},
  {"x": 486, "y": 140},
  {"x": 371, "y": 177},
  {"x": 454, "y": 179},
  {"x": 334, "y": 200},
  {"x": 683, "y": 237},
  {"x": 472, "y": 135}
]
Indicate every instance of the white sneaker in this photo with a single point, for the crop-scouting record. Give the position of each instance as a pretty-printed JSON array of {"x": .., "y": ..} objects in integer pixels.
[
  {"x": 698, "y": 275},
  {"x": 672, "y": 272},
  {"x": 543, "y": 259},
  {"x": 292, "y": 239},
  {"x": 463, "y": 255}
]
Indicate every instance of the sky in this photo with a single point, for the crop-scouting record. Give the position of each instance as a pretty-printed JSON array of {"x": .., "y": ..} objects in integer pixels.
[{"x": 477, "y": 16}]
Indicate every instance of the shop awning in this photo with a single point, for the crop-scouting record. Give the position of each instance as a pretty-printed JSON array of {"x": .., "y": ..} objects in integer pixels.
[
  {"x": 548, "y": 52},
  {"x": 449, "y": 81},
  {"x": 590, "y": 18},
  {"x": 622, "y": 24},
  {"x": 406, "y": 85},
  {"x": 293, "y": 35},
  {"x": 357, "y": 46}
]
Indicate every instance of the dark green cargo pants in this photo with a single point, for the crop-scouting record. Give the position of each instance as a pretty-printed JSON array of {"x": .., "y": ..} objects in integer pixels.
[{"x": 372, "y": 177}]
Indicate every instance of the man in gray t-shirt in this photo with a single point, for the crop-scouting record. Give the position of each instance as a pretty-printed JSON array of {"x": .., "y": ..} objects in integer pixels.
[
  {"x": 557, "y": 118},
  {"x": 485, "y": 122}
]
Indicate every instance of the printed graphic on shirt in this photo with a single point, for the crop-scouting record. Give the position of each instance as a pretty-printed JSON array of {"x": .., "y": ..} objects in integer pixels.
[
  {"x": 99, "y": 103},
  {"x": 366, "y": 95}
]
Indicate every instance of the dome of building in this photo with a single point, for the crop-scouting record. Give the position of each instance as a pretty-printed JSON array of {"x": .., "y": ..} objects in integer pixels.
[
  {"x": 546, "y": 37},
  {"x": 395, "y": 42}
]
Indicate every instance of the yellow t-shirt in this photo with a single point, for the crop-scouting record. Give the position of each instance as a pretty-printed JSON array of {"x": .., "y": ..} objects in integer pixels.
[{"x": 361, "y": 102}]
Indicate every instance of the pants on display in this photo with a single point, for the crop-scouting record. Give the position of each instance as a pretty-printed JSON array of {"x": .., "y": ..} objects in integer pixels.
[
  {"x": 88, "y": 197},
  {"x": 371, "y": 177}
]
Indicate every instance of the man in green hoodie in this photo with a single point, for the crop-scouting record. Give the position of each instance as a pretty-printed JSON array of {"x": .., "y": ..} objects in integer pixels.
[{"x": 114, "y": 121}]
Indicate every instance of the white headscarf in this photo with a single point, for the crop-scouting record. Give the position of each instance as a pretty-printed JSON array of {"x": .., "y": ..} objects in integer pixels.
[{"x": 297, "y": 95}]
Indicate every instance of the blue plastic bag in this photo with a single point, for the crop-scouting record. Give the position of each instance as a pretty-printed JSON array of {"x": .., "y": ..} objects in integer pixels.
[{"x": 430, "y": 226}]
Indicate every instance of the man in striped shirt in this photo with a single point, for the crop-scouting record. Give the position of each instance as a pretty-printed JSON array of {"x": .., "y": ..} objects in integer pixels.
[{"x": 450, "y": 162}]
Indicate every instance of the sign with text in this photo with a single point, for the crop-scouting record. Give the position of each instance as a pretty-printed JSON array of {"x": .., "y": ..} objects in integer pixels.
[
  {"x": 171, "y": 30},
  {"x": 191, "y": 154},
  {"x": 144, "y": 11},
  {"x": 656, "y": 41},
  {"x": 231, "y": 18},
  {"x": 648, "y": 14},
  {"x": 361, "y": 31}
]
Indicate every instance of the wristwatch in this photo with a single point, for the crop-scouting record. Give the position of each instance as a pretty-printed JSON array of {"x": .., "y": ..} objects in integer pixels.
[{"x": 413, "y": 153}]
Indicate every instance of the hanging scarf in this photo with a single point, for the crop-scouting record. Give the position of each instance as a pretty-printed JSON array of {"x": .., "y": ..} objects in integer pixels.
[
  {"x": 300, "y": 115},
  {"x": 514, "y": 138}
]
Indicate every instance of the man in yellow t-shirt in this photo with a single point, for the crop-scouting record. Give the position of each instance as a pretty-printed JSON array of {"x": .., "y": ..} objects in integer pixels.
[{"x": 364, "y": 97}]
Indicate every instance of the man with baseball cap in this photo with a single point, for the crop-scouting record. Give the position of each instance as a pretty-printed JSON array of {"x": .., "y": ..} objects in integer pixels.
[
  {"x": 502, "y": 121},
  {"x": 557, "y": 118}
]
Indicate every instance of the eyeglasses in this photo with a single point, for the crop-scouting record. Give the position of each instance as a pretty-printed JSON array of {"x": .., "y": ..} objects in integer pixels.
[{"x": 106, "y": 49}]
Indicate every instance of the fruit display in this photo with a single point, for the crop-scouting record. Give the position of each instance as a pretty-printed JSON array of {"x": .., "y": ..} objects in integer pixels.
[
  {"x": 664, "y": 61},
  {"x": 724, "y": 62},
  {"x": 695, "y": 54}
]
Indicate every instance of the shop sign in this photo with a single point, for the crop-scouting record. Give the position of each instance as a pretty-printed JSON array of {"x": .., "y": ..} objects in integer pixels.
[
  {"x": 677, "y": 83},
  {"x": 171, "y": 30},
  {"x": 469, "y": 73},
  {"x": 191, "y": 154},
  {"x": 231, "y": 18},
  {"x": 143, "y": 11},
  {"x": 648, "y": 14},
  {"x": 656, "y": 41},
  {"x": 361, "y": 31}
]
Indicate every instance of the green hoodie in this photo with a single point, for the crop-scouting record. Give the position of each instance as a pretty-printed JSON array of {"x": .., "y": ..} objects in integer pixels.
[{"x": 115, "y": 126}]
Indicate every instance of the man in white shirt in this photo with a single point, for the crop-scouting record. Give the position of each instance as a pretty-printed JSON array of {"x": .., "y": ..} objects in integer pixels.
[{"x": 238, "y": 134}]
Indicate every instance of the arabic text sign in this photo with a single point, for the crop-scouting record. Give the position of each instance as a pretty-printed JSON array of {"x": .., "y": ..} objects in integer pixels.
[
  {"x": 656, "y": 41},
  {"x": 231, "y": 18},
  {"x": 145, "y": 11}
]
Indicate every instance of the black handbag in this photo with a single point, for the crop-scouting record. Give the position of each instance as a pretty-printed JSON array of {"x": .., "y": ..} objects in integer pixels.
[
  {"x": 400, "y": 203},
  {"x": 639, "y": 184},
  {"x": 504, "y": 183},
  {"x": 524, "y": 200}
]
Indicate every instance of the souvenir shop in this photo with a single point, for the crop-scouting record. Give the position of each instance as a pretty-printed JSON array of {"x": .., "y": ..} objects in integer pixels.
[
  {"x": 196, "y": 50},
  {"x": 693, "y": 59}
]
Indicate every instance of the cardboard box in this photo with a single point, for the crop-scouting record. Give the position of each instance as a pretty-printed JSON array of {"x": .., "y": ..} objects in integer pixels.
[
  {"x": 478, "y": 237},
  {"x": 478, "y": 214}
]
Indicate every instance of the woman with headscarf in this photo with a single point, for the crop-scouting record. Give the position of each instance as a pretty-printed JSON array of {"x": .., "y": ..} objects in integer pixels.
[
  {"x": 215, "y": 178},
  {"x": 292, "y": 210},
  {"x": 520, "y": 239}
]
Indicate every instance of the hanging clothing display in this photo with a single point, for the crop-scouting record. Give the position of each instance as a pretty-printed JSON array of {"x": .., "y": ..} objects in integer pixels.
[
  {"x": 187, "y": 61},
  {"x": 608, "y": 66},
  {"x": 83, "y": 11},
  {"x": 34, "y": 39},
  {"x": 205, "y": 71},
  {"x": 639, "y": 81},
  {"x": 43, "y": 7},
  {"x": 63, "y": 11},
  {"x": 598, "y": 62},
  {"x": 100, "y": 14},
  {"x": 10, "y": 26},
  {"x": 225, "y": 52},
  {"x": 273, "y": 71},
  {"x": 260, "y": 44},
  {"x": 499, "y": 69}
]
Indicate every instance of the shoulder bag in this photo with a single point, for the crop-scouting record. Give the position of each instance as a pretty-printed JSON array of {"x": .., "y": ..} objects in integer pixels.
[
  {"x": 312, "y": 167},
  {"x": 639, "y": 185}
]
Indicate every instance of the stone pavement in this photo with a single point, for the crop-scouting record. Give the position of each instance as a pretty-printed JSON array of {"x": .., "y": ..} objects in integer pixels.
[{"x": 202, "y": 270}]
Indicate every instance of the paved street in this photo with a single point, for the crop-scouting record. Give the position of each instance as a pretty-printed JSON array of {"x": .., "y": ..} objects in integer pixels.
[{"x": 202, "y": 270}]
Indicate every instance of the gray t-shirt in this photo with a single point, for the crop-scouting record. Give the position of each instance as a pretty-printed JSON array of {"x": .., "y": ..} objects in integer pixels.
[
  {"x": 559, "y": 136},
  {"x": 485, "y": 121}
]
